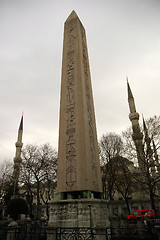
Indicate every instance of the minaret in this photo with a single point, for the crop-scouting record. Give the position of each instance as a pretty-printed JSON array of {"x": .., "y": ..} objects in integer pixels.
[
  {"x": 137, "y": 134},
  {"x": 17, "y": 159},
  {"x": 78, "y": 161}
]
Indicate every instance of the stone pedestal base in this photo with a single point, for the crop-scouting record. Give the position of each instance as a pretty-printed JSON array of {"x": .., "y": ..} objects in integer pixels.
[{"x": 79, "y": 213}]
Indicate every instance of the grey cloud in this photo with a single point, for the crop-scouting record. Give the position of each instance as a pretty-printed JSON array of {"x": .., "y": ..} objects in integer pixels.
[{"x": 123, "y": 39}]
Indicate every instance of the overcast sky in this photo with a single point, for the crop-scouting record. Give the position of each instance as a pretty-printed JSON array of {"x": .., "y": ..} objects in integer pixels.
[{"x": 123, "y": 38}]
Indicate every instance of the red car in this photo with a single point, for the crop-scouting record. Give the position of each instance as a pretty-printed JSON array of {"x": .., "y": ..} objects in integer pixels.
[{"x": 141, "y": 213}]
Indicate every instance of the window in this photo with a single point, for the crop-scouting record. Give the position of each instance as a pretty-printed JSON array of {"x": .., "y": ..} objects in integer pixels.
[{"x": 135, "y": 213}]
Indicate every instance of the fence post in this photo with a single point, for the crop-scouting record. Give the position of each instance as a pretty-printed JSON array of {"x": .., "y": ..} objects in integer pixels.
[
  {"x": 100, "y": 232},
  {"x": 139, "y": 225},
  {"x": 157, "y": 231},
  {"x": 51, "y": 233},
  {"x": 12, "y": 231},
  {"x": 28, "y": 225}
]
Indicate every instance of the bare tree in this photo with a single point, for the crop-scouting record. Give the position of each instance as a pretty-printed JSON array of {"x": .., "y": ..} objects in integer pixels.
[
  {"x": 125, "y": 184},
  {"x": 38, "y": 169},
  {"x": 129, "y": 149},
  {"x": 110, "y": 145},
  {"x": 149, "y": 175},
  {"x": 118, "y": 179},
  {"x": 108, "y": 181},
  {"x": 6, "y": 184},
  {"x": 149, "y": 178},
  {"x": 153, "y": 126}
]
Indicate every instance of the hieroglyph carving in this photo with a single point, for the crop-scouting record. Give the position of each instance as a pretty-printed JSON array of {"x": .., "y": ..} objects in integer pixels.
[
  {"x": 89, "y": 110},
  {"x": 70, "y": 108}
]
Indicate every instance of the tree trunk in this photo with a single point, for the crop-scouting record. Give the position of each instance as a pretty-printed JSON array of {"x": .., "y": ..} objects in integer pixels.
[
  {"x": 151, "y": 194},
  {"x": 38, "y": 201},
  {"x": 127, "y": 204}
]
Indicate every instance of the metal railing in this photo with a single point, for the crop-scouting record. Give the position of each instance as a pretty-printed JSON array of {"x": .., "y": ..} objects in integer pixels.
[
  {"x": 75, "y": 234},
  {"x": 24, "y": 232},
  {"x": 132, "y": 233}
]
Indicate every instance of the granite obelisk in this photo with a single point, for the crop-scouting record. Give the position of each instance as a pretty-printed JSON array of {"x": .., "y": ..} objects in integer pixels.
[
  {"x": 78, "y": 161},
  {"x": 78, "y": 201}
]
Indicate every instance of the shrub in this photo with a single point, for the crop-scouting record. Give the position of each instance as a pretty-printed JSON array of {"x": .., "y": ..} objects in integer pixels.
[{"x": 17, "y": 206}]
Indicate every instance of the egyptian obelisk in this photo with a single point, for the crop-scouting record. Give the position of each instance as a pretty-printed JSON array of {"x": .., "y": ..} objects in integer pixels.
[
  {"x": 78, "y": 200},
  {"x": 78, "y": 161}
]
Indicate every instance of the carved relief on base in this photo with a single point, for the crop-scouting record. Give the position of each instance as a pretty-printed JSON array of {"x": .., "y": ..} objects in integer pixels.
[{"x": 79, "y": 213}]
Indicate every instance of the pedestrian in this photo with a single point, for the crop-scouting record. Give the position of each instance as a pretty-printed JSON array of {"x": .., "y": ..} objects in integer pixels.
[{"x": 147, "y": 220}]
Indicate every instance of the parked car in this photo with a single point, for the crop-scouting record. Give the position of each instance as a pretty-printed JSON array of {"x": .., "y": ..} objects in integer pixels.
[{"x": 141, "y": 213}]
